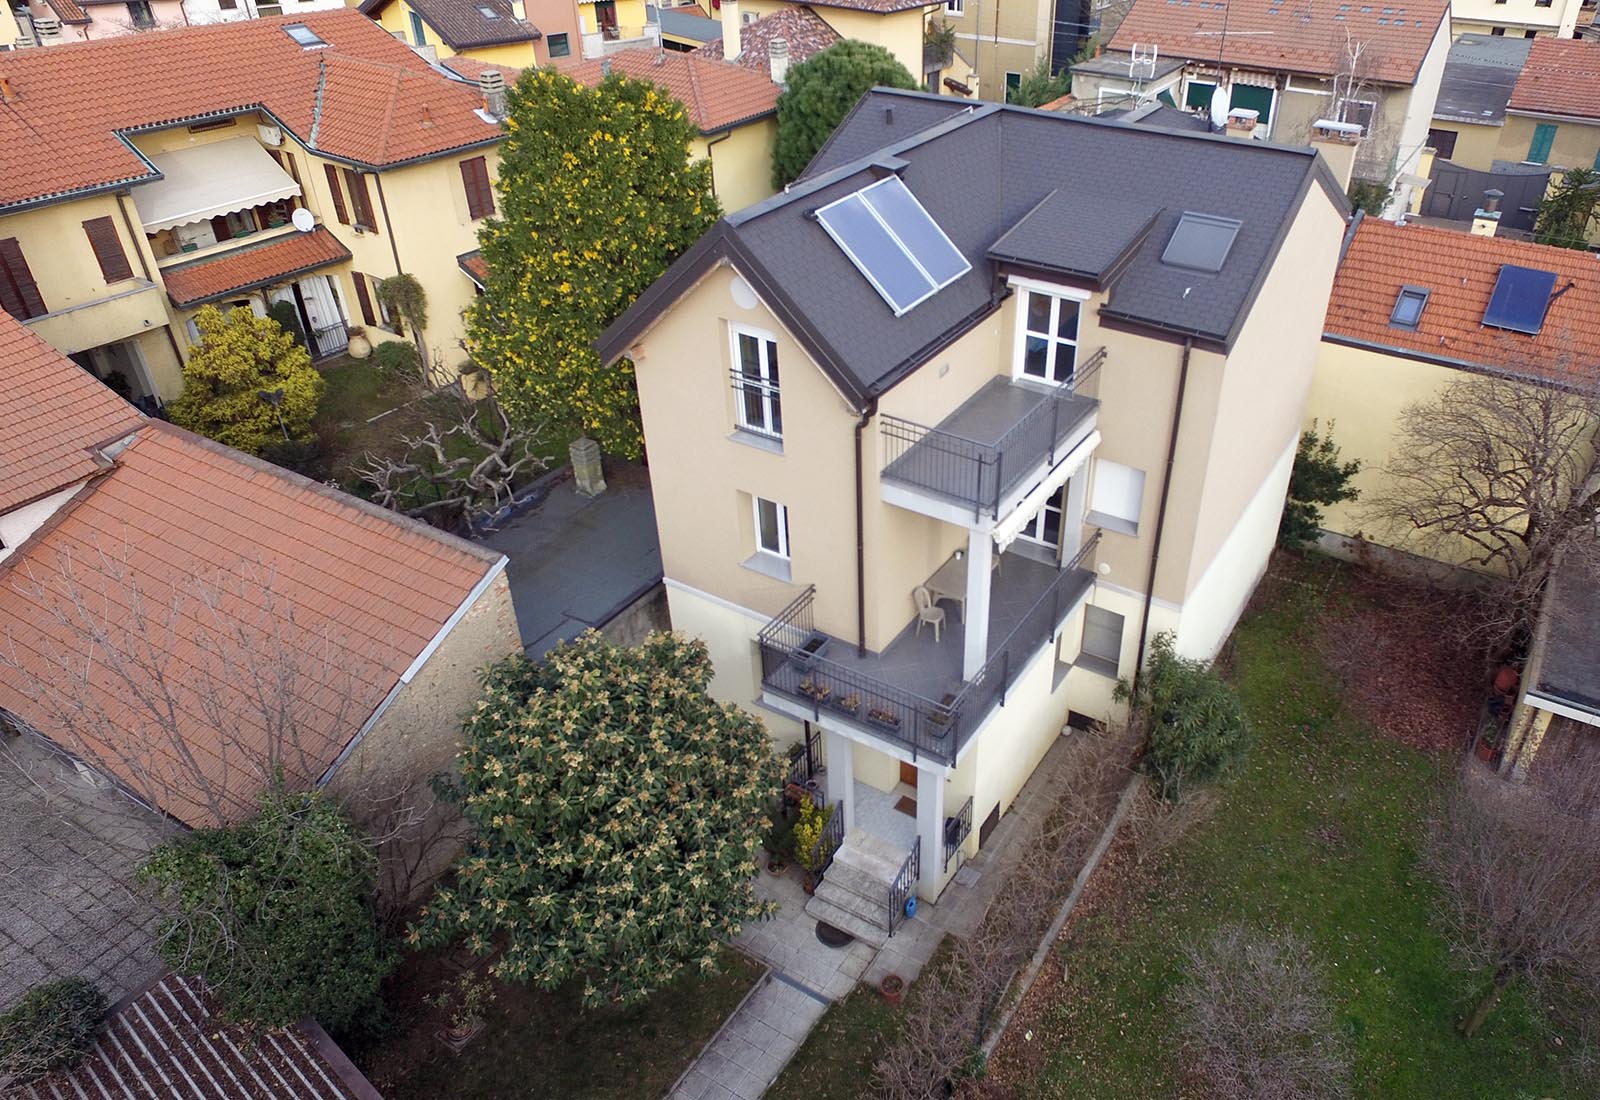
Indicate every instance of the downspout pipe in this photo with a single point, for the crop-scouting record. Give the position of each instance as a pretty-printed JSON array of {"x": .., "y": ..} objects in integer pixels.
[
  {"x": 861, "y": 534},
  {"x": 1161, "y": 514}
]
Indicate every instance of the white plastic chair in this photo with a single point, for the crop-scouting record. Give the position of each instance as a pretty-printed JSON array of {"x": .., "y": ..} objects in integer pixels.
[{"x": 927, "y": 612}]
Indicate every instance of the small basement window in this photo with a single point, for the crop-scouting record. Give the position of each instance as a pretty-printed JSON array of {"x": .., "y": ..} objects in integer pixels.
[
  {"x": 1201, "y": 242},
  {"x": 307, "y": 38},
  {"x": 1408, "y": 307}
]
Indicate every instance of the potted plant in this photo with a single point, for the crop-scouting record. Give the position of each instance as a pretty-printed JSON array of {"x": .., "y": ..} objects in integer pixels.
[
  {"x": 463, "y": 1001},
  {"x": 780, "y": 836},
  {"x": 808, "y": 841},
  {"x": 893, "y": 988},
  {"x": 850, "y": 705},
  {"x": 885, "y": 719}
]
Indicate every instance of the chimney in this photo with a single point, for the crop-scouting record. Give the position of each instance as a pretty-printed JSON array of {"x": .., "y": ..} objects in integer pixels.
[
  {"x": 8, "y": 94},
  {"x": 1242, "y": 122},
  {"x": 1486, "y": 219},
  {"x": 778, "y": 55},
  {"x": 493, "y": 87},
  {"x": 731, "y": 27},
  {"x": 1337, "y": 142},
  {"x": 519, "y": 9}
]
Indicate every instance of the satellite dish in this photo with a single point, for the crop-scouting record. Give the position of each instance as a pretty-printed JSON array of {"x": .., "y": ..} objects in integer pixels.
[
  {"x": 1219, "y": 107},
  {"x": 303, "y": 219}
]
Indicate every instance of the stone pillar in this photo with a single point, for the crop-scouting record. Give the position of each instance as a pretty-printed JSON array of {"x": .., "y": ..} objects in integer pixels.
[
  {"x": 980, "y": 556},
  {"x": 840, "y": 751},
  {"x": 930, "y": 827},
  {"x": 586, "y": 472}
]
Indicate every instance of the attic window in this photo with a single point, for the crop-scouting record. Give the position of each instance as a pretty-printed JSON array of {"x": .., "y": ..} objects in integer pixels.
[
  {"x": 304, "y": 36},
  {"x": 1201, "y": 242},
  {"x": 1521, "y": 297},
  {"x": 1408, "y": 307},
  {"x": 488, "y": 12}
]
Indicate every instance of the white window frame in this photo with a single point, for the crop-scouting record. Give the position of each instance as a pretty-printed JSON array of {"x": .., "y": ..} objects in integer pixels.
[
  {"x": 1026, "y": 287},
  {"x": 1034, "y": 530},
  {"x": 1112, "y": 521},
  {"x": 1099, "y": 661},
  {"x": 782, "y": 553},
  {"x": 957, "y": 8},
  {"x": 771, "y": 395}
]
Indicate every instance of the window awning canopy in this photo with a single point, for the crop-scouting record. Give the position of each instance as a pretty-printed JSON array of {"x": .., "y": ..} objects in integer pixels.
[
  {"x": 209, "y": 181},
  {"x": 1006, "y": 531}
]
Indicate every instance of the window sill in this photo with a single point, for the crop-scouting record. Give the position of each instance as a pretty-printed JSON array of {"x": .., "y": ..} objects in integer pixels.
[
  {"x": 770, "y": 444},
  {"x": 1100, "y": 666},
  {"x": 769, "y": 565},
  {"x": 1111, "y": 523}
]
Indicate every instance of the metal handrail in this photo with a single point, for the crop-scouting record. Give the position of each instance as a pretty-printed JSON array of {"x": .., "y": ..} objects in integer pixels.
[
  {"x": 963, "y": 822},
  {"x": 904, "y": 885},
  {"x": 828, "y": 843}
]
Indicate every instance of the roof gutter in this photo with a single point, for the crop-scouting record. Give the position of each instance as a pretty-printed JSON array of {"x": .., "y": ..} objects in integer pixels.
[{"x": 1454, "y": 364}]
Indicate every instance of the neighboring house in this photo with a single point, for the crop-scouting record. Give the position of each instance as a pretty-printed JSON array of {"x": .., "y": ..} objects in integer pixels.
[
  {"x": 1411, "y": 308},
  {"x": 1516, "y": 18},
  {"x": 899, "y": 26},
  {"x": 498, "y": 33},
  {"x": 611, "y": 25},
  {"x": 121, "y": 215},
  {"x": 10, "y": 31},
  {"x": 200, "y": 12},
  {"x": 55, "y": 22},
  {"x": 684, "y": 28},
  {"x": 1557, "y": 716},
  {"x": 1010, "y": 402},
  {"x": 804, "y": 33},
  {"x": 1294, "y": 63},
  {"x": 1470, "y": 114},
  {"x": 216, "y": 613},
  {"x": 1554, "y": 114},
  {"x": 1006, "y": 41}
]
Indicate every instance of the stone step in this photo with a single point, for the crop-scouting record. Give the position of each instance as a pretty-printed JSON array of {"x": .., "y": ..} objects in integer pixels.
[
  {"x": 846, "y": 876},
  {"x": 877, "y": 857},
  {"x": 873, "y": 908},
  {"x": 823, "y": 910}
]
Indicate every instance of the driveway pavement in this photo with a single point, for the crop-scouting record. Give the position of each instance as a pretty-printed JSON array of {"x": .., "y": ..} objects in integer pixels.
[{"x": 575, "y": 562}]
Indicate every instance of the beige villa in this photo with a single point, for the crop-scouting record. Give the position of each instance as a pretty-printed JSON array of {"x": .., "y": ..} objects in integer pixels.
[{"x": 933, "y": 463}]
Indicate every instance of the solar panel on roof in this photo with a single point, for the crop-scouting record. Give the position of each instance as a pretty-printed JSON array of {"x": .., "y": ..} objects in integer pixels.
[
  {"x": 1521, "y": 297},
  {"x": 1201, "y": 242},
  {"x": 894, "y": 242}
]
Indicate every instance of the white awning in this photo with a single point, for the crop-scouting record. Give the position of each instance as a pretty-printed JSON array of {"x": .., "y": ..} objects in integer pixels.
[
  {"x": 1006, "y": 531},
  {"x": 208, "y": 181}
]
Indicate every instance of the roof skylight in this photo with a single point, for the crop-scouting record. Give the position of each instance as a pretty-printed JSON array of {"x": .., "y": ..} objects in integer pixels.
[
  {"x": 1407, "y": 312},
  {"x": 1521, "y": 297},
  {"x": 1201, "y": 242},
  {"x": 894, "y": 242},
  {"x": 488, "y": 12},
  {"x": 307, "y": 38}
]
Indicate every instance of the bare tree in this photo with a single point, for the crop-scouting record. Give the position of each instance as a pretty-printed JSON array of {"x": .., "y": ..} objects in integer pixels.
[
  {"x": 1356, "y": 96},
  {"x": 1255, "y": 1021},
  {"x": 1519, "y": 863},
  {"x": 436, "y": 482},
  {"x": 1501, "y": 475}
]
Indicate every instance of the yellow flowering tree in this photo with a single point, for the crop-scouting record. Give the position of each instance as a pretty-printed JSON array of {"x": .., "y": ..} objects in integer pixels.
[
  {"x": 596, "y": 197},
  {"x": 616, "y": 810}
]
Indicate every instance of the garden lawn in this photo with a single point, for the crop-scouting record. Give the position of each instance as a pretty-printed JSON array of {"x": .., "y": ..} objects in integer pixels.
[
  {"x": 1318, "y": 831},
  {"x": 539, "y": 1044}
]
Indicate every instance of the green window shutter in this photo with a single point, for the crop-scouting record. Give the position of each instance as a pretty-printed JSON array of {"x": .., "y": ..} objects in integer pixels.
[
  {"x": 1166, "y": 97},
  {"x": 1597, "y": 161},
  {"x": 1544, "y": 136},
  {"x": 419, "y": 30},
  {"x": 1253, "y": 99},
  {"x": 1198, "y": 96}
]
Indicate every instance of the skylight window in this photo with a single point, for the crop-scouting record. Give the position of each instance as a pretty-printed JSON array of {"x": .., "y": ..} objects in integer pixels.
[
  {"x": 488, "y": 13},
  {"x": 894, "y": 242},
  {"x": 1201, "y": 242},
  {"x": 1408, "y": 307},
  {"x": 304, "y": 35},
  {"x": 1521, "y": 297}
]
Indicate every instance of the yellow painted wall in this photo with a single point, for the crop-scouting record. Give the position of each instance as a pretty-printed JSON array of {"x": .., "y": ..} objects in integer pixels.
[
  {"x": 1002, "y": 38},
  {"x": 1576, "y": 143},
  {"x": 9, "y": 31},
  {"x": 741, "y": 162},
  {"x": 1476, "y": 146},
  {"x": 631, "y": 18},
  {"x": 898, "y": 32},
  {"x": 1480, "y": 16}
]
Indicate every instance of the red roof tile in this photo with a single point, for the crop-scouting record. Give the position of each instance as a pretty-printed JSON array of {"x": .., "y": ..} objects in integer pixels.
[
  {"x": 207, "y": 280},
  {"x": 716, "y": 94},
  {"x": 803, "y": 29},
  {"x": 355, "y": 593},
  {"x": 1459, "y": 271},
  {"x": 1560, "y": 77},
  {"x": 1297, "y": 36},
  {"x": 366, "y": 98},
  {"x": 471, "y": 68},
  {"x": 69, "y": 12},
  {"x": 54, "y": 417},
  {"x": 473, "y": 264}
]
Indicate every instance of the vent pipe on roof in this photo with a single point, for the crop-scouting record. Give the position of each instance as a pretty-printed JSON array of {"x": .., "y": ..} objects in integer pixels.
[
  {"x": 778, "y": 56},
  {"x": 732, "y": 25},
  {"x": 493, "y": 86}
]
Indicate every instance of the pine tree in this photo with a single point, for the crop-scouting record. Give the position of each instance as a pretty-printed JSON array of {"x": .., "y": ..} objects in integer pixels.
[{"x": 821, "y": 91}]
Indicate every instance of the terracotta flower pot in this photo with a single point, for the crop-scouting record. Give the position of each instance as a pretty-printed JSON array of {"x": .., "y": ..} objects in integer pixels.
[{"x": 893, "y": 988}]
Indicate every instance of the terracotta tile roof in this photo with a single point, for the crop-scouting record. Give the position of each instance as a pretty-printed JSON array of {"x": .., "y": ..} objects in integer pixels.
[
  {"x": 473, "y": 264},
  {"x": 1296, "y": 36},
  {"x": 805, "y": 31},
  {"x": 1459, "y": 271},
  {"x": 168, "y": 1036},
  {"x": 207, "y": 280},
  {"x": 877, "y": 7},
  {"x": 53, "y": 418},
  {"x": 280, "y": 553},
  {"x": 1561, "y": 77},
  {"x": 717, "y": 94},
  {"x": 463, "y": 25},
  {"x": 366, "y": 98},
  {"x": 68, "y": 11}
]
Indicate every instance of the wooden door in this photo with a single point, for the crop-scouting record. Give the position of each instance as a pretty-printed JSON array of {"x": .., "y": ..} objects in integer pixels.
[{"x": 908, "y": 774}]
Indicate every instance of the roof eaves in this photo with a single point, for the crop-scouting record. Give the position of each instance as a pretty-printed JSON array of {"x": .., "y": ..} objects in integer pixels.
[
  {"x": 252, "y": 284},
  {"x": 742, "y": 120},
  {"x": 1317, "y": 172},
  {"x": 1470, "y": 365}
]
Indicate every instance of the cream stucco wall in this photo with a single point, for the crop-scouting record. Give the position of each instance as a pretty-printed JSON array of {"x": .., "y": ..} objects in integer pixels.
[
  {"x": 1482, "y": 16},
  {"x": 1576, "y": 144},
  {"x": 1477, "y": 146},
  {"x": 741, "y": 162},
  {"x": 1002, "y": 38},
  {"x": 898, "y": 32},
  {"x": 9, "y": 30}
]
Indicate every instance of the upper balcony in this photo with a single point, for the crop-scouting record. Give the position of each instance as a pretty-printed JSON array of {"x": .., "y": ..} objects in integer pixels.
[
  {"x": 913, "y": 694},
  {"x": 999, "y": 443},
  {"x": 213, "y": 197}
]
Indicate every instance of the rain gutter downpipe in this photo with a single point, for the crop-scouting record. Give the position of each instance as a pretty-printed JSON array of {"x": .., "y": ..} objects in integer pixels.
[
  {"x": 861, "y": 536},
  {"x": 1161, "y": 514}
]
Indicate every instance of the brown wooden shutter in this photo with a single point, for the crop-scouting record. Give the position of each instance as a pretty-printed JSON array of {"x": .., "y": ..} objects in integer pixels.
[
  {"x": 367, "y": 313},
  {"x": 285, "y": 161},
  {"x": 480, "y": 194},
  {"x": 338, "y": 195},
  {"x": 108, "y": 251},
  {"x": 19, "y": 294},
  {"x": 360, "y": 200}
]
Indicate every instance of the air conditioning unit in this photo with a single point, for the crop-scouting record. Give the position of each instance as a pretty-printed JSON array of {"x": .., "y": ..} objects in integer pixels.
[
  {"x": 271, "y": 136},
  {"x": 749, "y": 17}
]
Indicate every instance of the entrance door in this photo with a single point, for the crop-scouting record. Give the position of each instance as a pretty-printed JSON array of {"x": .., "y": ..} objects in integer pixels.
[
  {"x": 908, "y": 774},
  {"x": 324, "y": 319},
  {"x": 1045, "y": 528}
]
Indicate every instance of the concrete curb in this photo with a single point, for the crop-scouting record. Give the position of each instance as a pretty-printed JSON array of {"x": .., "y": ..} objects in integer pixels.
[
  {"x": 755, "y": 987},
  {"x": 1031, "y": 973}
]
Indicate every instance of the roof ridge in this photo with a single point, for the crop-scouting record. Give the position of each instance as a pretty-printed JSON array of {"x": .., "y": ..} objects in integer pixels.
[{"x": 387, "y": 130}]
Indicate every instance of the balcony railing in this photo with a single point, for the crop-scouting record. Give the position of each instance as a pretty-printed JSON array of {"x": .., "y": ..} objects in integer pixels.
[
  {"x": 956, "y": 830},
  {"x": 980, "y": 472},
  {"x": 328, "y": 341},
  {"x": 794, "y": 665}
]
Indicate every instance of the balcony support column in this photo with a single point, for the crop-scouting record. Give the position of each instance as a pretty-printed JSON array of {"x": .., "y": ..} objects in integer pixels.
[
  {"x": 980, "y": 558},
  {"x": 839, "y": 752},
  {"x": 930, "y": 827}
]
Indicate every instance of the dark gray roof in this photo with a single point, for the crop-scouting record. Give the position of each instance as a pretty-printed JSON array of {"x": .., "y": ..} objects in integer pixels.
[
  {"x": 1118, "y": 62},
  {"x": 466, "y": 24},
  {"x": 979, "y": 173},
  {"x": 1478, "y": 77},
  {"x": 1078, "y": 234},
  {"x": 863, "y": 132},
  {"x": 1162, "y": 117},
  {"x": 679, "y": 23},
  {"x": 1570, "y": 671}
]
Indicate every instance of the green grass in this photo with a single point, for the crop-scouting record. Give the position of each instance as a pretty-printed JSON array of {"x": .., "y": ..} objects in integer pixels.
[
  {"x": 835, "y": 1062},
  {"x": 539, "y": 1044},
  {"x": 1316, "y": 832}
]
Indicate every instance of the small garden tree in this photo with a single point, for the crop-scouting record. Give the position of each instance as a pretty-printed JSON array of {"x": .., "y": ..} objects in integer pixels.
[
  {"x": 1318, "y": 478},
  {"x": 276, "y": 913},
  {"x": 402, "y": 295},
  {"x": 1568, "y": 213},
  {"x": 821, "y": 91},
  {"x": 50, "y": 1029},
  {"x": 1195, "y": 726},
  {"x": 597, "y": 196},
  {"x": 1040, "y": 86},
  {"x": 247, "y": 382},
  {"x": 617, "y": 810}
]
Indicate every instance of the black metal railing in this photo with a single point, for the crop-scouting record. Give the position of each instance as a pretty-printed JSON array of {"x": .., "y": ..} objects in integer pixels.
[
  {"x": 904, "y": 885},
  {"x": 329, "y": 340},
  {"x": 760, "y": 404},
  {"x": 828, "y": 843},
  {"x": 806, "y": 764},
  {"x": 952, "y": 466},
  {"x": 956, "y": 831}
]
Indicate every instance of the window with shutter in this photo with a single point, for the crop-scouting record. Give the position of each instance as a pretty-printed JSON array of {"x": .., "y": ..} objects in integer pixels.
[
  {"x": 364, "y": 298},
  {"x": 360, "y": 200},
  {"x": 1116, "y": 497},
  {"x": 19, "y": 294},
  {"x": 338, "y": 195},
  {"x": 480, "y": 195},
  {"x": 108, "y": 251}
]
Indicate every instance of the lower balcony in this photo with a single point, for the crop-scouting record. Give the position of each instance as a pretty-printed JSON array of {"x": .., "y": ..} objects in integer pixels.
[{"x": 912, "y": 694}]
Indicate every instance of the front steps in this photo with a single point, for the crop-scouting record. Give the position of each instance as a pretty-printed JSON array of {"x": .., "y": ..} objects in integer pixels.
[{"x": 854, "y": 893}]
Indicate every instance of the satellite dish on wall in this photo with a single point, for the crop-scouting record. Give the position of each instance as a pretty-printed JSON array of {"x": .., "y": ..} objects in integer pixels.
[
  {"x": 1219, "y": 107},
  {"x": 304, "y": 220}
]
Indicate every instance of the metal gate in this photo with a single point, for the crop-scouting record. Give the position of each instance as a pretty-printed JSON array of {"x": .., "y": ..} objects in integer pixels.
[{"x": 1457, "y": 192}]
